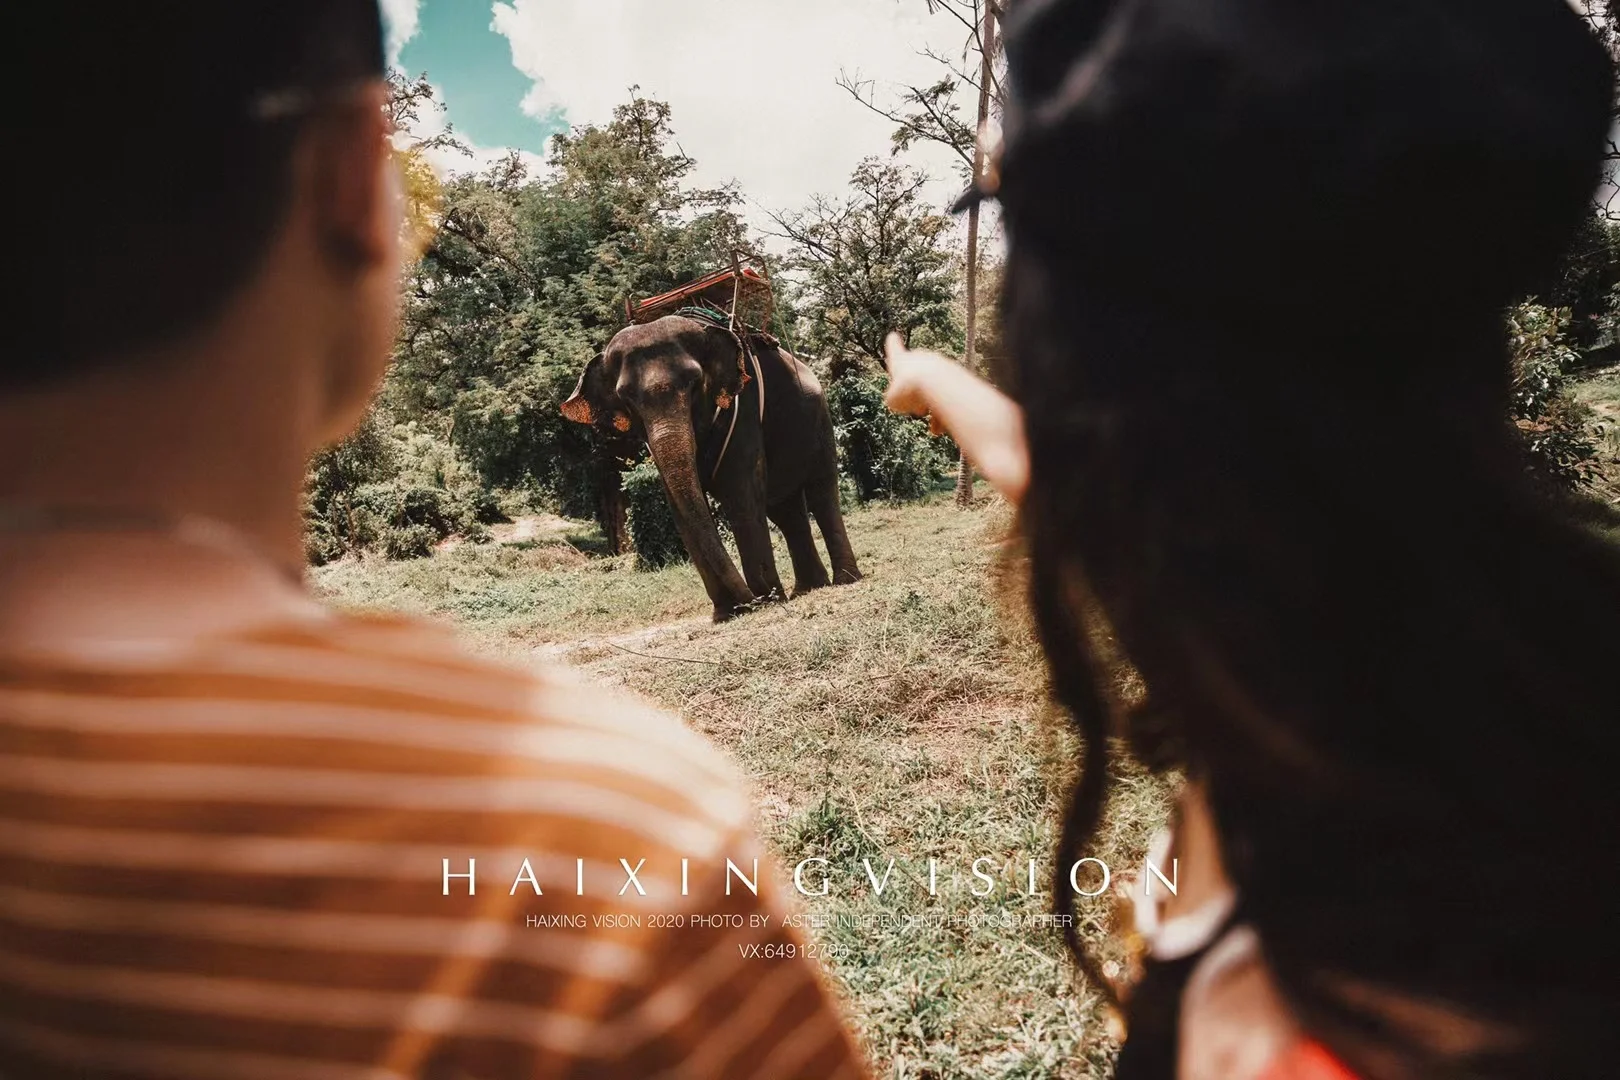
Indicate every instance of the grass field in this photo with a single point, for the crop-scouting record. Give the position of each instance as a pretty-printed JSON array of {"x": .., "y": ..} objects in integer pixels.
[
  {"x": 1600, "y": 392},
  {"x": 902, "y": 716}
]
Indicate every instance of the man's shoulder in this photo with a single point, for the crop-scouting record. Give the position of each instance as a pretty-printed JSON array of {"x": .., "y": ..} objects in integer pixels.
[
  {"x": 596, "y": 745},
  {"x": 547, "y": 696}
]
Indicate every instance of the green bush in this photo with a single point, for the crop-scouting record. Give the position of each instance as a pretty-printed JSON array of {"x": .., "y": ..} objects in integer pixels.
[
  {"x": 1557, "y": 432},
  {"x": 1587, "y": 284},
  {"x": 885, "y": 455},
  {"x": 652, "y": 523},
  {"x": 513, "y": 435},
  {"x": 409, "y": 541},
  {"x": 485, "y": 508},
  {"x": 653, "y": 532},
  {"x": 332, "y": 523},
  {"x": 322, "y": 543},
  {"x": 397, "y": 488}
]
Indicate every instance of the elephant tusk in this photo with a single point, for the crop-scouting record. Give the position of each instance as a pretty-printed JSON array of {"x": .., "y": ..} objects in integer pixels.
[{"x": 759, "y": 377}]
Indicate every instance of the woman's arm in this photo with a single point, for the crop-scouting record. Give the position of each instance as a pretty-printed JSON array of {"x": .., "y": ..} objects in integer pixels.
[{"x": 986, "y": 424}]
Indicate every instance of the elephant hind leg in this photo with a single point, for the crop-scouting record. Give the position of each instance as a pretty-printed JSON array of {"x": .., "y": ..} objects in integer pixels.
[
  {"x": 793, "y": 519},
  {"x": 821, "y": 495}
]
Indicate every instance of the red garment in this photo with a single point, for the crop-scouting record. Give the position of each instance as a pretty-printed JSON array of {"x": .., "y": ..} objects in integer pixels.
[{"x": 1307, "y": 1061}]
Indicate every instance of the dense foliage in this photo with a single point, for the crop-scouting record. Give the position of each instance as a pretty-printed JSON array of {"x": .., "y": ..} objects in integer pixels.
[
  {"x": 883, "y": 455},
  {"x": 1587, "y": 286},
  {"x": 398, "y": 490},
  {"x": 1558, "y": 434},
  {"x": 652, "y": 522},
  {"x": 877, "y": 260},
  {"x": 522, "y": 277},
  {"x": 1568, "y": 330}
]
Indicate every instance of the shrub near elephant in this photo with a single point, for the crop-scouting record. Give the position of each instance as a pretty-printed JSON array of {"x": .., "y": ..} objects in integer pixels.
[{"x": 738, "y": 417}]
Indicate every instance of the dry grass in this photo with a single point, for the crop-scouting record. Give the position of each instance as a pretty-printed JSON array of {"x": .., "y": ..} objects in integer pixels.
[
  {"x": 902, "y": 717},
  {"x": 1600, "y": 392}
]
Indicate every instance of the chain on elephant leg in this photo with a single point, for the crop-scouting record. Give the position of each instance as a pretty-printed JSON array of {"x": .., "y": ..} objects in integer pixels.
[
  {"x": 767, "y": 590},
  {"x": 771, "y": 590}
]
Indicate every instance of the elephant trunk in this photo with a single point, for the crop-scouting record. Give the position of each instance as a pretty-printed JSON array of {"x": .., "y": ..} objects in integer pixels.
[{"x": 674, "y": 451}]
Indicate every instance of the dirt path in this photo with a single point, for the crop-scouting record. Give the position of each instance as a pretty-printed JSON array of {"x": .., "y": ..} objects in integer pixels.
[
  {"x": 667, "y": 640},
  {"x": 530, "y": 527}
]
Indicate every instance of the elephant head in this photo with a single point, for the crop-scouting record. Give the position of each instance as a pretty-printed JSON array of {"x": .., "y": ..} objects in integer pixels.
[{"x": 662, "y": 381}]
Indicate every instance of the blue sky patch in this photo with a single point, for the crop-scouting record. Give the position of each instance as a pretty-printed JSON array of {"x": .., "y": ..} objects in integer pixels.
[{"x": 471, "y": 65}]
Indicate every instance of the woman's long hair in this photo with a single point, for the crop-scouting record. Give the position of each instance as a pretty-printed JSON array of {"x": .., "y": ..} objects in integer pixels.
[{"x": 1393, "y": 661}]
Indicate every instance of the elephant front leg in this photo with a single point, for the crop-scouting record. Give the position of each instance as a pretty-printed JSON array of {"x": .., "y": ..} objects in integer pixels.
[
  {"x": 758, "y": 560},
  {"x": 746, "y": 513},
  {"x": 791, "y": 517}
]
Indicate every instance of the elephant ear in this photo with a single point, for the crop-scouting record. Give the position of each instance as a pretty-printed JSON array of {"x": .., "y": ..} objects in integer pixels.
[
  {"x": 593, "y": 400},
  {"x": 716, "y": 353},
  {"x": 577, "y": 409}
]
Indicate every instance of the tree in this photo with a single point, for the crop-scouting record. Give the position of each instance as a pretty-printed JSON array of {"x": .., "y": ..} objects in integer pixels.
[
  {"x": 933, "y": 114},
  {"x": 628, "y": 225},
  {"x": 987, "y": 50},
  {"x": 1603, "y": 18},
  {"x": 870, "y": 262},
  {"x": 1559, "y": 449},
  {"x": 403, "y": 107},
  {"x": 874, "y": 261},
  {"x": 527, "y": 278}
]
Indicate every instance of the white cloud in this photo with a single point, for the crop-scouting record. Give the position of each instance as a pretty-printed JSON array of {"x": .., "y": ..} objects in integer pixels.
[
  {"x": 752, "y": 82},
  {"x": 433, "y": 119},
  {"x": 400, "y": 23},
  {"x": 448, "y": 162}
]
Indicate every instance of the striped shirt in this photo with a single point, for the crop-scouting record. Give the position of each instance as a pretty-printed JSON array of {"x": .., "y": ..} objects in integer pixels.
[{"x": 336, "y": 848}]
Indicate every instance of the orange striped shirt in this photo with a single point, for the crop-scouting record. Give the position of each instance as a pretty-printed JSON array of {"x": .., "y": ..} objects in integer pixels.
[{"x": 239, "y": 855}]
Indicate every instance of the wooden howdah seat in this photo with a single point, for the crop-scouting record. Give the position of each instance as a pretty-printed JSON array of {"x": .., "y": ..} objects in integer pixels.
[{"x": 741, "y": 290}]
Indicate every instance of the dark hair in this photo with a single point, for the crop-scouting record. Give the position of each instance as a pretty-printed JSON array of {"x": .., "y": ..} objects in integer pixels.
[
  {"x": 1254, "y": 304},
  {"x": 164, "y": 132}
]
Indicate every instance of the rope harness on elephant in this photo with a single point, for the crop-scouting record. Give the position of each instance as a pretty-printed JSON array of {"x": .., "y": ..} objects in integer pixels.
[{"x": 746, "y": 358}]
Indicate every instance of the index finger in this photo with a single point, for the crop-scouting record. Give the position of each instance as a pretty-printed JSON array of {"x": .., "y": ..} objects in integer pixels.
[{"x": 893, "y": 345}]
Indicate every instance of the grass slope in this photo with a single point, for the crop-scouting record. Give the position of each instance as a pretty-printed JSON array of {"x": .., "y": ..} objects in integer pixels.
[
  {"x": 1600, "y": 392},
  {"x": 902, "y": 717}
]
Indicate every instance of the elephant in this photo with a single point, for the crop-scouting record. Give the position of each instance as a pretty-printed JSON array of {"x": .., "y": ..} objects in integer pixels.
[{"x": 687, "y": 386}]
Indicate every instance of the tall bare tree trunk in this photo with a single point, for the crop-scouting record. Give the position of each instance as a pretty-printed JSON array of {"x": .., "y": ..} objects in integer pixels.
[{"x": 987, "y": 51}]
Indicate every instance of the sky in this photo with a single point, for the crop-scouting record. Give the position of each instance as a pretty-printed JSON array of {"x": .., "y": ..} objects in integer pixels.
[{"x": 753, "y": 83}]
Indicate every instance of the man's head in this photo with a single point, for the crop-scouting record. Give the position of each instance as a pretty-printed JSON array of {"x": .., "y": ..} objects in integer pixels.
[{"x": 213, "y": 175}]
